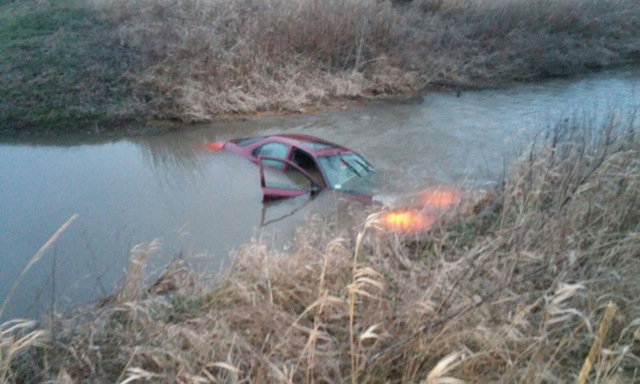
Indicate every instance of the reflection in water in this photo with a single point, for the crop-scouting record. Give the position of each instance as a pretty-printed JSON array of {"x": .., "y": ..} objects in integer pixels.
[
  {"x": 406, "y": 221},
  {"x": 202, "y": 203},
  {"x": 172, "y": 152},
  {"x": 271, "y": 212},
  {"x": 440, "y": 198}
]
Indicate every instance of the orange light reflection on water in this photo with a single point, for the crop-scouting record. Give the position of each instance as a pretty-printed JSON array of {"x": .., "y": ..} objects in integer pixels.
[
  {"x": 406, "y": 221},
  {"x": 441, "y": 198}
]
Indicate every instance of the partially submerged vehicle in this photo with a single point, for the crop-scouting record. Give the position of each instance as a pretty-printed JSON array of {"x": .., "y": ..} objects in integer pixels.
[
  {"x": 293, "y": 165},
  {"x": 305, "y": 164}
]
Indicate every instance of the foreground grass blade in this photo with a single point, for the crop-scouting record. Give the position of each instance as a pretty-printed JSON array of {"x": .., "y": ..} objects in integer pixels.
[{"x": 35, "y": 259}]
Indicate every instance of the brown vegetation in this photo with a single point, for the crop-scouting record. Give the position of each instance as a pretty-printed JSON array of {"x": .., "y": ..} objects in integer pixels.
[
  {"x": 533, "y": 283},
  {"x": 207, "y": 59},
  {"x": 72, "y": 64}
]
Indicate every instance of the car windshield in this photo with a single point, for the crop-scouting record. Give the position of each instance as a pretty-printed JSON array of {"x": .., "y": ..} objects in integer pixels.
[{"x": 344, "y": 171}]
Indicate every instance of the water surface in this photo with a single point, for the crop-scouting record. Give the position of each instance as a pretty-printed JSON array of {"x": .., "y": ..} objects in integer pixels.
[{"x": 201, "y": 204}]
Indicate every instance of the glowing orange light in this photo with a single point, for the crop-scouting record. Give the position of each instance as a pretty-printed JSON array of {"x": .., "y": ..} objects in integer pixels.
[
  {"x": 215, "y": 146},
  {"x": 406, "y": 221},
  {"x": 441, "y": 198}
]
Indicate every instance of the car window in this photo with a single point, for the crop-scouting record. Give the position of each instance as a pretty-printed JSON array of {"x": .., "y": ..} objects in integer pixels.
[
  {"x": 306, "y": 162},
  {"x": 274, "y": 150}
]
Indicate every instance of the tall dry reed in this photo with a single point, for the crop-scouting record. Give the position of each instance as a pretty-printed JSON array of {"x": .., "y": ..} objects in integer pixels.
[{"x": 19, "y": 336}]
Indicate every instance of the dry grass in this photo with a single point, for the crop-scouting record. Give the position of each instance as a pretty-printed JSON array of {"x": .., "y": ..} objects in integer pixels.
[
  {"x": 535, "y": 282},
  {"x": 21, "y": 335},
  {"x": 73, "y": 64},
  {"x": 16, "y": 337},
  {"x": 208, "y": 59},
  {"x": 485, "y": 43}
]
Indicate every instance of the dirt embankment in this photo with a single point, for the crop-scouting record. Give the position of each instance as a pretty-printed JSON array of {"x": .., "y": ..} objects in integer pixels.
[{"x": 94, "y": 66}]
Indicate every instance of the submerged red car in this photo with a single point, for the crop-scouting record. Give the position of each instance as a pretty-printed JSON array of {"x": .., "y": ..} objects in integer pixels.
[
  {"x": 306, "y": 164},
  {"x": 292, "y": 165}
]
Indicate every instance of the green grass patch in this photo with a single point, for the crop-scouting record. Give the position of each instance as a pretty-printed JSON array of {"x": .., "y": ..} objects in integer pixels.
[{"x": 61, "y": 68}]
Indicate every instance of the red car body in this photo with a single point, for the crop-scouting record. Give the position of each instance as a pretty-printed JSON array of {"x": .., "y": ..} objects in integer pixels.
[
  {"x": 321, "y": 164},
  {"x": 325, "y": 165}
]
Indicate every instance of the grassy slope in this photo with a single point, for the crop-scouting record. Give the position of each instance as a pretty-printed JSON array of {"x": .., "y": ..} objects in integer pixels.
[
  {"x": 67, "y": 64},
  {"x": 511, "y": 288},
  {"x": 210, "y": 59},
  {"x": 61, "y": 71}
]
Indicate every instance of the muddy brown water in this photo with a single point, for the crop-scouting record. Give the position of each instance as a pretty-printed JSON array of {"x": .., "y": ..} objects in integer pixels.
[{"x": 203, "y": 205}]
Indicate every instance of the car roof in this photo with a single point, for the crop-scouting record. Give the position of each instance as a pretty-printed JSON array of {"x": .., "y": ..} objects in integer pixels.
[{"x": 312, "y": 144}]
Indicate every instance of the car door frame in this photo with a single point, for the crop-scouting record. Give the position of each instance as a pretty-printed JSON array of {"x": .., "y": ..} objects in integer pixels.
[{"x": 271, "y": 193}]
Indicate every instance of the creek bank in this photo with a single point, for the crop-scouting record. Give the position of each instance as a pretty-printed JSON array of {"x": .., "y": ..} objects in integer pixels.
[
  {"x": 104, "y": 128},
  {"x": 102, "y": 67}
]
